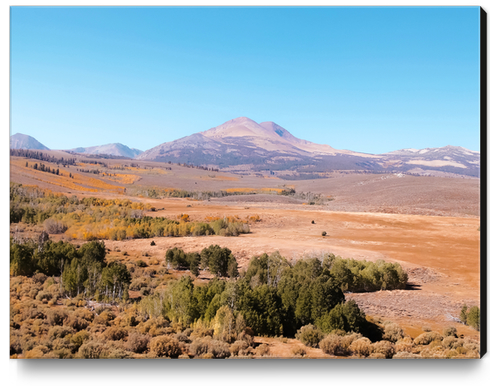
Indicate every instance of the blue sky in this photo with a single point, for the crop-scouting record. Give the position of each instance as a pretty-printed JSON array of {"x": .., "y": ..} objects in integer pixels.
[{"x": 365, "y": 79}]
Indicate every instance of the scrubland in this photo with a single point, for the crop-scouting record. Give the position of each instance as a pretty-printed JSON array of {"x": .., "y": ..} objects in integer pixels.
[{"x": 155, "y": 260}]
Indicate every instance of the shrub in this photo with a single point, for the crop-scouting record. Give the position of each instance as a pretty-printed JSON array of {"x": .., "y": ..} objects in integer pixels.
[
  {"x": 262, "y": 350},
  {"x": 141, "y": 264},
  {"x": 165, "y": 346},
  {"x": 324, "y": 233},
  {"x": 361, "y": 347},
  {"x": 450, "y": 342},
  {"x": 43, "y": 296},
  {"x": 39, "y": 278},
  {"x": 427, "y": 338},
  {"x": 210, "y": 347},
  {"x": 238, "y": 346},
  {"x": 56, "y": 317},
  {"x": 59, "y": 332},
  {"x": 309, "y": 335},
  {"x": 332, "y": 344},
  {"x": 393, "y": 332},
  {"x": 153, "y": 243},
  {"x": 404, "y": 345},
  {"x": 450, "y": 331},
  {"x": 90, "y": 350},
  {"x": 298, "y": 351},
  {"x": 384, "y": 348},
  {"x": 115, "y": 333},
  {"x": 76, "y": 323},
  {"x": 137, "y": 342},
  {"x": 80, "y": 338},
  {"x": 53, "y": 226}
]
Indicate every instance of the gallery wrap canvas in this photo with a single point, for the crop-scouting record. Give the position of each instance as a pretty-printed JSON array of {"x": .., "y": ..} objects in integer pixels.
[{"x": 247, "y": 182}]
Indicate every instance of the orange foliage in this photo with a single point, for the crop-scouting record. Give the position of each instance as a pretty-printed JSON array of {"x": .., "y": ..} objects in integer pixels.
[{"x": 183, "y": 217}]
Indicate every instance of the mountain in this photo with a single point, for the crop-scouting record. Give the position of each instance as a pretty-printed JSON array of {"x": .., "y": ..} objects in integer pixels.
[
  {"x": 447, "y": 159},
  {"x": 242, "y": 144},
  {"x": 22, "y": 141},
  {"x": 265, "y": 146},
  {"x": 116, "y": 149}
]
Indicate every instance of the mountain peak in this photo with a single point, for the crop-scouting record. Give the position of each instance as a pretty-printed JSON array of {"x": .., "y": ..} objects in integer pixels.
[{"x": 23, "y": 141}]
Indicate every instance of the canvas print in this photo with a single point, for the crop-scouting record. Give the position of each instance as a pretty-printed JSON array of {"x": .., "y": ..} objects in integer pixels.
[{"x": 245, "y": 182}]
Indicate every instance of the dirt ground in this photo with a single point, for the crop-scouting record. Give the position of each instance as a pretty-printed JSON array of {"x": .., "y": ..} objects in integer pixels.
[{"x": 441, "y": 254}]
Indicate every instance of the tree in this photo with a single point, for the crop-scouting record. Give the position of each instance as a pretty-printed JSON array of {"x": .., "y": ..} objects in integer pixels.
[
  {"x": 473, "y": 318},
  {"x": 463, "y": 316},
  {"x": 217, "y": 259}
]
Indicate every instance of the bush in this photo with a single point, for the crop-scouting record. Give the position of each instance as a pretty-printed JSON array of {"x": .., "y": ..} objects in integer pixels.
[
  {"x": 153, "y": 243},
  {"x": 141, "y": 264},
  {"x": 90, "y": 350},
  {"x": 309, "y": 335},
  {"x": 383, "y": 347},
  {"x": 262, "y": 350},
  {"x": 115, "y": 333},
  {"x": 332, "y": 344},
  {"x": 393, "y": 332},
  {"x": 59, "y": 332},
  {"x": 165, "y": 346},
  {"x": 324, "y": 233},
  {"x": 298, "y": 351},
  {"x": 427, "y": 338},
  {"x": 238, "y": 346},
  {"x": 450, "y": 331},
  {"x": 404, "y": 345},
  {"x": 361, "y": 347},
  {"x": 210, "y": 347},
  {"x": 80, "y": 338},
  {"x": 53, "y": 226},
  {"x": 137, "y": 342}
]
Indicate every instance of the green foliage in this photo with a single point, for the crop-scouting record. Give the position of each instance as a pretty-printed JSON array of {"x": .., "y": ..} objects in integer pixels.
[
  {"x": 344, "y": 316},
  {"x": 309, "y": 335},
  {"x": 218, "y": 260},
  {"x": 473, "y": 318},
  {"x": 463, "y": 314},
  {"x": 360, "y": 276}
]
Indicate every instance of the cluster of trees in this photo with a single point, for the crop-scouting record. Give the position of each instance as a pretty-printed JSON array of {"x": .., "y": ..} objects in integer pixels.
[
  {"x": 44, "y": 168},
  {"x": 86, "y": 161},
  {"x": 364, "y": 276},
  {"x": 219, "y": 261},
  {"x": 273, "y": 296},
  {"x": 82, "y": 270},
  {"x": 41, "y": 157}
]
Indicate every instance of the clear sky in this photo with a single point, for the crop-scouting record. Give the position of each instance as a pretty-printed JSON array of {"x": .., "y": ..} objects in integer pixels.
[{"x": 366, "y": 79}]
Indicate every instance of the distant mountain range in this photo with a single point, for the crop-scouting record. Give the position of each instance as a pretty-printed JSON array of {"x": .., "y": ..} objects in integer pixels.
[
  {"x": 116, "y": 149},
  {"x": 243, "y": 145},
  {"x": 22, "y": 141}
]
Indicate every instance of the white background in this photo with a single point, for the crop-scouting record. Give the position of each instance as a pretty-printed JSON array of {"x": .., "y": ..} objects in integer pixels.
[{"x": 229, "y": 372}]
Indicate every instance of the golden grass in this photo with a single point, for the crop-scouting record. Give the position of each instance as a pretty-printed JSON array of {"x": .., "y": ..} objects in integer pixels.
[{"x": 78, "y": 182}]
